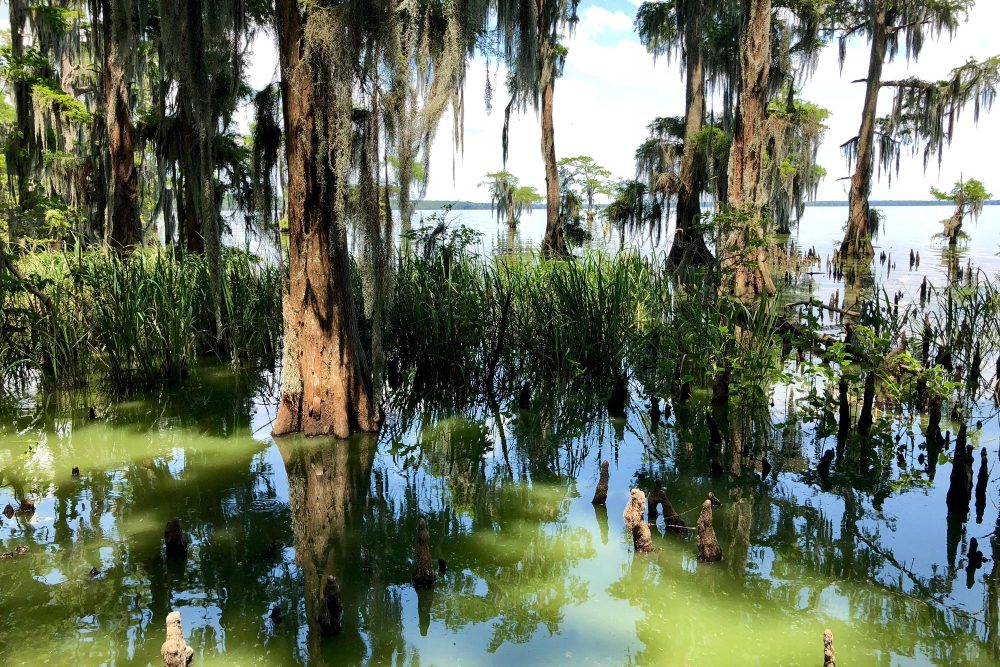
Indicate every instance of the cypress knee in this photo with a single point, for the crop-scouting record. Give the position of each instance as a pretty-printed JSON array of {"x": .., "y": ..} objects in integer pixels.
[
  {"x": 844, "y": 426},
  {"x": 720, "y": 387},
  {"x": 865, "y": 420},
  {"x": 424, "y": 575},
  {"x": 981, "y": 482},
  {"x": 175, "y": 540},
  {"x": 618, "y": 399},
  {"x": 635, "y": 524},
  {"x": 175, "y": 651},
  {"x": 709, "y": 550},
  {"x": 331, "y": 611},
  {"x": 671, "y": 519},
  {"x": 828, "y": 657},
  {"x": 601, "y": 493},
  {"x": 960, "y": 488}
]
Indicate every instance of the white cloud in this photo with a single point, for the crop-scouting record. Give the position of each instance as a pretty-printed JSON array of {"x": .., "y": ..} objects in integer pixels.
[{"x": 596, "y": 20}]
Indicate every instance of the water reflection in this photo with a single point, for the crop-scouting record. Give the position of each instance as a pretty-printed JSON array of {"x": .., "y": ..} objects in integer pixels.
[{"x": 534, "y": 571}]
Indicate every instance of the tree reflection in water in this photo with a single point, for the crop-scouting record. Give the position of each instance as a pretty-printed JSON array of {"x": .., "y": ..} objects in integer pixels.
[{"x": 533, "y": 569}]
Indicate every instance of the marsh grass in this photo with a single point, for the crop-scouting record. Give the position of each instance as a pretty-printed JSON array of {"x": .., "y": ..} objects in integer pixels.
[
  {"x": 458, "y": 324},
  {"x": 486, "y": 326},
  {"x": 133, "y": 322}
]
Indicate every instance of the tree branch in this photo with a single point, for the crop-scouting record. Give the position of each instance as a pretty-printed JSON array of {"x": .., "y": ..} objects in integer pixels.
[
  {"x": 896, "y": 29},
  {"x": 31, "y": 289}
]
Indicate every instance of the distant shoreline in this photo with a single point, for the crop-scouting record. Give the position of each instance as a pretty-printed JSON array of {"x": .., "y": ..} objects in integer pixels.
[{"x": 436, "y": 204}]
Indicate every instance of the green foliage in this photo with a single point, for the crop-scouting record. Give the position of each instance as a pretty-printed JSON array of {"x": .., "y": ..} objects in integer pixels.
[
  {"x": 588, "y": 178},
  {"x": 971, "y": 191},
  {"x": 53, "y": 20},
  {"x": 508, "y": 198}
]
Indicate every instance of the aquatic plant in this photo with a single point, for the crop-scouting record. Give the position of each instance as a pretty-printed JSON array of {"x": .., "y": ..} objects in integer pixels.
[{"x": 70, "y": 318}]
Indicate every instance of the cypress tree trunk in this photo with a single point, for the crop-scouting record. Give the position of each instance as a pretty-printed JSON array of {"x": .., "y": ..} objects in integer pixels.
[
  {"x": 553, "y": 244},
  {"x": 857, "y": 240},
  {"x": 22, "y": 156},
  {"x": 745, "y": 258},
  {"x": 194, "y": 241},
  {"x": 326, "y": 386},
  {"x": 686, "y": 239},
  {"x": 125, "y": 230}
]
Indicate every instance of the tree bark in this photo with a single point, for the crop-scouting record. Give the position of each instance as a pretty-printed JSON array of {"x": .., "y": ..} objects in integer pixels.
[
  {"x": 745, "y": 257},
  {"x": 126, "y": 228},
  {"x": 554, "y": 244},
  {"x": 687, "y": 240},
  {"x": 22, "y": 156},
  {"x": 326, "y": 386},
  {"x": 857, "y": 240}
]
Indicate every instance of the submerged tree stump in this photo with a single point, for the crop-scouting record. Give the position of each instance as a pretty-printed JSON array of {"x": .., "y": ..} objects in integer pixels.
[
  {"x": 175, "y": 539},
  {"x": 175, "y": 651},
  {"x": 635, "y": 524},
  {"x": 828, "y": 657},
  {"x": 671, "y": 519},
  {"x": 601, "y": 493},
  {"x": 423, "y": 575},
  {"x": 709, "y": 550},
  {"x": 331, "y": 611}
]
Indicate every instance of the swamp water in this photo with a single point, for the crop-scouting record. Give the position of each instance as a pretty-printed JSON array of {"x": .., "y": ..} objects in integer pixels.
[{"x": 536, "y": 575}]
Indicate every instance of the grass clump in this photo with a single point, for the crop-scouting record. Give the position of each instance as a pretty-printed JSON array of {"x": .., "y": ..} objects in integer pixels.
[{"x": 132, "y": 321}]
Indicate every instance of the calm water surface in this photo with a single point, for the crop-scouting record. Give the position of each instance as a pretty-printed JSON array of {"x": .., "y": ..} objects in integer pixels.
[{"x": 535, "y": 574}]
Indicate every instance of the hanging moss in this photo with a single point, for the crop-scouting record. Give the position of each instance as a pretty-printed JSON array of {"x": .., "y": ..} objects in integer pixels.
[{"x": 48, "y": 93}]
